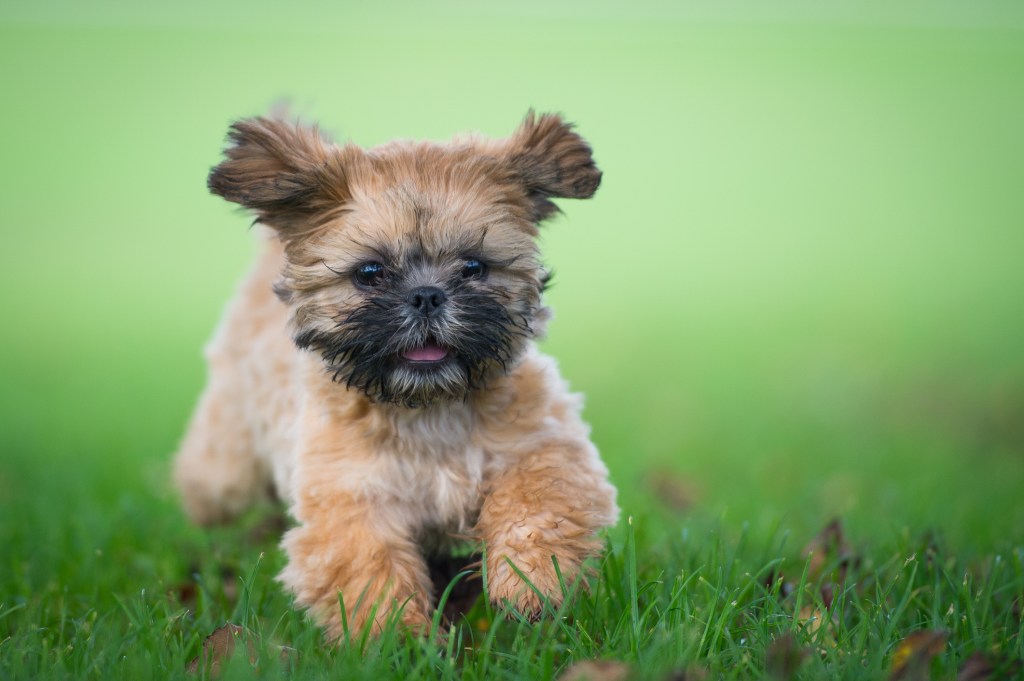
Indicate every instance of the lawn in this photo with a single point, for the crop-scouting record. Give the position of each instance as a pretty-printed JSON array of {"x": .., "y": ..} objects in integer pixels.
[{"x": 797, "y": 297}]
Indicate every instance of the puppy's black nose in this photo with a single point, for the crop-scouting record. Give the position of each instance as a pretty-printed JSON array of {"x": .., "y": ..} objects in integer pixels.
[{"x": 426, "y": 299}]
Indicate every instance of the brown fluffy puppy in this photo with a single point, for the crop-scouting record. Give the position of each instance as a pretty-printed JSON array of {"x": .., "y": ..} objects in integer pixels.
[{"x": 409, "y": 405}]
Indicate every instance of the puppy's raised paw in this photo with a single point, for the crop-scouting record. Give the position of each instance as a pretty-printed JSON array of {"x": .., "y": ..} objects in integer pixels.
[{"x": 524, "y": 582}]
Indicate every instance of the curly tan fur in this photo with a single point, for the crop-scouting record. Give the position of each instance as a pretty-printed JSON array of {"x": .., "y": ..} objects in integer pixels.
[{"x": 377, "y": 479}]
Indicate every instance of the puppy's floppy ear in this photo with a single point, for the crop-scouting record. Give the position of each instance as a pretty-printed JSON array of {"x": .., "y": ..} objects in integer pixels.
[
  {"x": 551, "y": 161},
  {"x": 283, "y": 171}
]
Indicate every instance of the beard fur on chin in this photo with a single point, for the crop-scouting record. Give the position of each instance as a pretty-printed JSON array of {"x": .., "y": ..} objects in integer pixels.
[{"x": 365, "y": 350}]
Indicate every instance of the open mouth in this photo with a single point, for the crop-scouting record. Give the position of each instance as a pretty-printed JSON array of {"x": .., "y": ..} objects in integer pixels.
[{"x": 428, "y": 353}]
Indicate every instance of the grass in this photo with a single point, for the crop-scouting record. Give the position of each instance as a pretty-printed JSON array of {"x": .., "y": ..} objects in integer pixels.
[
  {"x": 796, "y": 297},
  {"x": 695, "y": 600}
]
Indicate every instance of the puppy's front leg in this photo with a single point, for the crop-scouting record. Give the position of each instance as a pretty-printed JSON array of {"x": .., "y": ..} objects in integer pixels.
[
  {"x": 549, "y": 503},
  {"x": 349, "y": 546}
]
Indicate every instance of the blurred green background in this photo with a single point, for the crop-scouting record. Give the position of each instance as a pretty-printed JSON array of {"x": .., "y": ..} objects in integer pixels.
[{"x": 799, "y": 291}]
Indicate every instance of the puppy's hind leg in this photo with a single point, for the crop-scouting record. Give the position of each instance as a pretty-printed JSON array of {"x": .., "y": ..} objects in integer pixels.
[{"x": 216, "y": 470}]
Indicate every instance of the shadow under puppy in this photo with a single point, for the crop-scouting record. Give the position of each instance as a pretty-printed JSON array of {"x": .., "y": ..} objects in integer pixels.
[{"x": 409, "y": 405}]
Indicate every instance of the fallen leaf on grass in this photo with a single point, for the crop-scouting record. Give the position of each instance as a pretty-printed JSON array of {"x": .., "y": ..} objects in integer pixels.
[
  {"x": 812, "y": 619},
  {"x": 597, "y": 670},
  {"x": 914, "y": 654},
  {"x": 219, "y": 646},
  {"x": 784, "y": 656},
  {"x": 786, "y": 587},
  {"x": 978, "y": 668},
  {"x": 828, "y": 559},
  {"x": 828, "y": 594},
  {"x": 289, "y": 656},
  {"x": 185, "y": 594},
  {"x": 829, "y": 546}
]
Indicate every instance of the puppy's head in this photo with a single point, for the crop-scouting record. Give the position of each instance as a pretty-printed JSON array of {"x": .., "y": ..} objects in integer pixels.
[{"x": 411, "y": 268}]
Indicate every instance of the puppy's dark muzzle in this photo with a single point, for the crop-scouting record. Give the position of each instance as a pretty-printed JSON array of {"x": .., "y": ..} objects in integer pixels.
[{"x": 426, "y": 300}]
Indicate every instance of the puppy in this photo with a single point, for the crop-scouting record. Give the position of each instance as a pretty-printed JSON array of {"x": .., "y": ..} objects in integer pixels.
[{"x": 377, "y": 370}]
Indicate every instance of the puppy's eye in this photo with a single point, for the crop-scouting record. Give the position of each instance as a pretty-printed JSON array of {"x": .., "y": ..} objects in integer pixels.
[
  {"x": 369, "y": 274},
  {"x": 473, "y": 269}
]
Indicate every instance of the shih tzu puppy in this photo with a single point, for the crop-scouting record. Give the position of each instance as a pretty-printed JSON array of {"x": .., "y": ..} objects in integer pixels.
[{"x": 377, "y": 370}]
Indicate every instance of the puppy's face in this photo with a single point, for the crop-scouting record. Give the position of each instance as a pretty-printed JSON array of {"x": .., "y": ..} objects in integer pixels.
[{"x": 410, "y": 268}]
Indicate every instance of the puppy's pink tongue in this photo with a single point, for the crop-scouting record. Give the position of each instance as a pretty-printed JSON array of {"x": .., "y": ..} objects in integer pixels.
[{"x": 428, "y": 353}]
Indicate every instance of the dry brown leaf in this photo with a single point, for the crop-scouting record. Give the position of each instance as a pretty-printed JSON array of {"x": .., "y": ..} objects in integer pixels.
[
  {"x": 218, "y": 646},
  {"x": 828, "y": 595},
  {"x": 786, "y": 588},
  {"x": 830, "y": 545},
  {"x": 289, "y": 656},
  {"x": 979, "y": 668},
  {"x": 184, "y": 593},
  {"x": 975, "y": 668},
  {"x": 828, "y": 549},
  {"x": 813, "y": 619},
  {"x": 597, "y": 670},
  {"x": 784, "y": 656},
  {"x": 913, "y": 657}
]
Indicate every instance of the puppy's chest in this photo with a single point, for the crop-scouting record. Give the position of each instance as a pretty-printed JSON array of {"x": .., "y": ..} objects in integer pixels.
[{"x": 431, "y": 469}]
